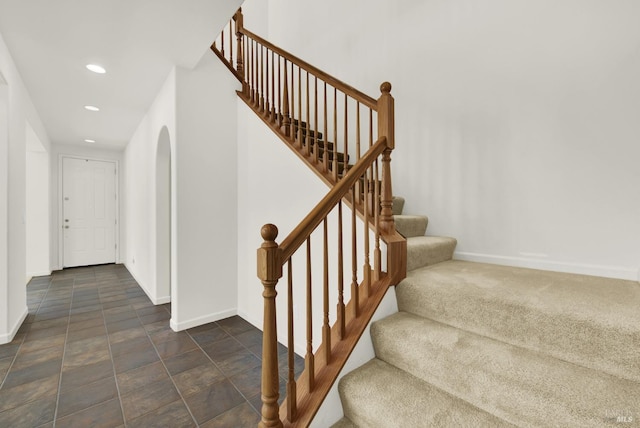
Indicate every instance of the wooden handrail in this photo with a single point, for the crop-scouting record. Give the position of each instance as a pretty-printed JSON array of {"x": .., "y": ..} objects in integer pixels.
[
  {"x": 300, "y": 103},
  {"x": 293, "y": 241},
  {"x": 336, "y": 83}
]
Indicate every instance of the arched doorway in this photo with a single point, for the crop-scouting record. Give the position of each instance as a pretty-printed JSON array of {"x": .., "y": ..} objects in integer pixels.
[{"x": 163, "y": 216}]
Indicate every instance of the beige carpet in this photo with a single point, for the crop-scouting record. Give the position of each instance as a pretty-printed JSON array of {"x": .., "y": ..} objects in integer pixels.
[{"x": 477, "y": 345}]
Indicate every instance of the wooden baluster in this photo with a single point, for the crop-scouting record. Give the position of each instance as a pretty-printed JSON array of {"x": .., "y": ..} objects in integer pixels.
[
  {"x": 386, "y": 129},
  {"x": 279, "y": 109},
  {"x": 256, "y": 79},
  {"x": 309, "y": 358},
  {"x": 247, "y": 69},
  {"x": 299, "y": 135},
  {"x": 366, "y": 268},
  {"x": 326, "y": 328},
  {"x": 355, "y": 290},
  {"x": 286, "y": 120},
  {"x": 341, "y": 307},
  {"x": 231, "y": 42},
  {"x": 325, "y": 153},
  {"x": 269, "y": 271},
  {"x": 335, "y": 134},
  {"x": 293, "y": 104},
  {"x": 307, "y": 139},
  {"x": 273, "y": 88},
  {"x": 315, "y": 120},
  {"x": 261, "y": 79},
  {"x": 253, "y": 75},
  {"x": 358, "y": 130},
  {"x": 359, "y": 184},
  {"x": 240, "y": 54},
  {"x": 267, "y": 108},
  {"x": 370, "y": 127},
  {"x": 377, "y": 257},
  {"x": 222, "y": 43},
  {"x": 346, "y": 141},
  {"x": 292, "y": 404}
]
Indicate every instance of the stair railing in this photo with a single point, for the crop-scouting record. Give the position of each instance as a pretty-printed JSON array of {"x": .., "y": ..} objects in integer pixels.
[{"x": 305, "y": 106}]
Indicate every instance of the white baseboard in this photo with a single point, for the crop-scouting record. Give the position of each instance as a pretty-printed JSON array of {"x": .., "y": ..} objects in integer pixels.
[
  {"x": 155, "y": 300},
  {"x": 195, "y": 322},
  {"x": 38, "y": 273},
  {"x": 618, "y": 272},
  {"x": 8, "y": 336}
]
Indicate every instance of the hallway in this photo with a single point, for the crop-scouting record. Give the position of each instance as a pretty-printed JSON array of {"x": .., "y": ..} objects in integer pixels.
[{"x": 94, "y": 351}]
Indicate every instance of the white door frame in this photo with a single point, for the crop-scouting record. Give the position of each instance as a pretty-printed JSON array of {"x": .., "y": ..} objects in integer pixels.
[{"x": 60, "y": 226}]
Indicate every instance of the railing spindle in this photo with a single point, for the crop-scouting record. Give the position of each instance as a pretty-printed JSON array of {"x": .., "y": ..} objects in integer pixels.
[
  {"x": 307, "y": 137},
  {"x": 262, "y": 79},
  {"x": 222, "y": 43},
  {"x": 341, "y": 307},
  {"x": 299, "y": 106},
  {"x": 377, "y": 258},
  {"x": 355, "y": 290},
  {"x": 273, "y": 88},
  {"x": 345, "y": 169},
  {"x": 309, "y": 358},
  {"x": 325, "y": 152},
  {"x": 286, "y": 120},
  {"x": 294, "y": 135},
  {"x": 292, "y": 406},
  {"x": 366, "y": 268},
  {"x": 267, "y": 105},
  {"x": 280, "y": 96},
  {"x": 326, "y": 328},
  {"x": 231, "y": 41},
  {"x": 335, "y": 134},
  {"x": 315, "y": 120}
]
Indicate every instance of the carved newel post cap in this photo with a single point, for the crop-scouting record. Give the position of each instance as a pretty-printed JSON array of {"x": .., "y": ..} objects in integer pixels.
[
  {"x": 269, "y": 232},
  {"x": 385, "y": 88}
]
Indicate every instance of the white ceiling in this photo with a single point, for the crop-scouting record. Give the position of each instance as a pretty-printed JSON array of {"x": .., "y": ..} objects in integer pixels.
[{"x": 137, "y": 41}]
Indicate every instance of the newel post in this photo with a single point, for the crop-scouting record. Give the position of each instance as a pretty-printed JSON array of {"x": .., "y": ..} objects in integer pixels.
[
  {"x": 386, "y": 128},
  {"x": 269, "y": 271},
  {"x": 239, "y": 19}
]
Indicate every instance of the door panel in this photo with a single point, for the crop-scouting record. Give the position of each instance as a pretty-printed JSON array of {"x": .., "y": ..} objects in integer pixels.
[{"x": 89, "y": 212}]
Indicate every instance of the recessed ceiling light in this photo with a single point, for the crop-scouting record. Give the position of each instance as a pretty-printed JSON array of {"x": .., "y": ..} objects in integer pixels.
[
  {"x": 89, "y": 141},
  {"x": 92, "y": 108},
  {"x": 96, "y": 68}
]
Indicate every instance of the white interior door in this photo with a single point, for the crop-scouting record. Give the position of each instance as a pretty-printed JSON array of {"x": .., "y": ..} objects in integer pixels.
[{"x": 89, "y": 212}]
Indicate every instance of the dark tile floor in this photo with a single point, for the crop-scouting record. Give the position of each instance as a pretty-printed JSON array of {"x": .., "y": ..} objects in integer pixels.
[{"x": 95, "y": 352}]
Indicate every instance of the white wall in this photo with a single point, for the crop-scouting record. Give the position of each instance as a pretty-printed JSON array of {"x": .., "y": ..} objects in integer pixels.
[
  {"x": 37, "y": 211},
  {"x": 516, "y": 122},
  {"x": 18, "y": 110},
  {"x": 205, "y": 197},
  {"x": 140, "y": 174}
]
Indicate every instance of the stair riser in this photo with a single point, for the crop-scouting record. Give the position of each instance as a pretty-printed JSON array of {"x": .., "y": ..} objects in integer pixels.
[
  {"x": 436, "y": 294},
  {"x": 427, "y": 251},
  {"x": 411, "y": 226},
  {"x": 520, "y": 386}
]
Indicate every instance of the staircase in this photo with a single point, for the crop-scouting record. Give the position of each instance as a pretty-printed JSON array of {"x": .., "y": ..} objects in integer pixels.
[{"x": 477, "y": 345}]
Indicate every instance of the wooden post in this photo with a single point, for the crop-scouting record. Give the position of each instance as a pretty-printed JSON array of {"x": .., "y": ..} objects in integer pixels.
[
  {"x": 386, "y": 129},
  {"x": 239, "y": 18},
  {"x": 269, "y": 271}
]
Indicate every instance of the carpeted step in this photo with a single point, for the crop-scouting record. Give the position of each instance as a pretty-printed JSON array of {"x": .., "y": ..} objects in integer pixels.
[
  {"x": 411, "y": 225},
  {"x": 590, "y": 321},
  {"x": 341, "y": 156},
  {"x": 428, "y": 250},
  {"x": 398, "y": 205},
  {"x": 521, "y": 386},
  {"x": 380, "y": 395}
]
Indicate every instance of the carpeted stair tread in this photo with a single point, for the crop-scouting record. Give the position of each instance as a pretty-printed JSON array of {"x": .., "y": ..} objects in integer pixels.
[
  {"x": 380, "y": 395},
  {"x": 428, "y": 250},
  {"x": 411, "y": 225},
  {"x": 590, "y": 321},
  {"x": 521, "y": 386}
]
